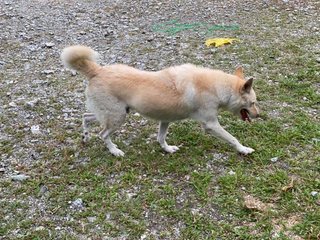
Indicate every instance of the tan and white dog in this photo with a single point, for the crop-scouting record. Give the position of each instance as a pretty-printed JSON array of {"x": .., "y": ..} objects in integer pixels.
[{"x": 174, "y": 93}]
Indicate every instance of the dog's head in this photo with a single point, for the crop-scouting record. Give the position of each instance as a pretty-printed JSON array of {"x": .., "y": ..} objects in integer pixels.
[{"x": 246, "y": 106}]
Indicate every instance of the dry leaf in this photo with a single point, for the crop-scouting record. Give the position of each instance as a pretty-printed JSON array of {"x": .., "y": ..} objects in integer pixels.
[
  {"x": 254, "y": 203},
  {"x": 218, "y": 42},
  {"x": 290, "y": 186}
]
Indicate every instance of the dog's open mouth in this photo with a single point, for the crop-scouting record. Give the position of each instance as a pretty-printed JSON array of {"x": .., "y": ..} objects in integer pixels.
[{"x": 245, "y": 115}]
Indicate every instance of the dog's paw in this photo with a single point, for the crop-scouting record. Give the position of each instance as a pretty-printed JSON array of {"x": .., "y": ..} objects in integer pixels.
[
  {"x": 113, "y": 145},
  {"x": 117, "y": 152},
  {"x": 171, "y": 149},
  {"x": 245, "y": 150}
]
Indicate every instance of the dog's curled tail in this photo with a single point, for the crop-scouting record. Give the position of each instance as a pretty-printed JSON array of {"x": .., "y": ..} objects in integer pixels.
[{"x": 82, "y": 59}]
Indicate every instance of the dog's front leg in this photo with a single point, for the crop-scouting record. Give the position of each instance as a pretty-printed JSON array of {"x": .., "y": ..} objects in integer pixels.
[
  {"x": 163, "y": 128},
  {"x": 215, "y": 128}
]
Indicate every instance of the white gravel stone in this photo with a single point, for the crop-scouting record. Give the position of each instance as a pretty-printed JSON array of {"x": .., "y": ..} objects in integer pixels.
[
  {"x": 274, "y": 159},
  {"x": 19, "y": 177},
  {"x": 35, "y": 129}
]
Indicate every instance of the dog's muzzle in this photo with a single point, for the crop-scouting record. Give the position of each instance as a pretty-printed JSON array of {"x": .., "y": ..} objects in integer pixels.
[{"x": 245, "y": 115}]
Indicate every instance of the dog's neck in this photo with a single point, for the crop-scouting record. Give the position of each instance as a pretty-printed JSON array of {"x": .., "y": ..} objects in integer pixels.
[{"x": 229, "y": 93}]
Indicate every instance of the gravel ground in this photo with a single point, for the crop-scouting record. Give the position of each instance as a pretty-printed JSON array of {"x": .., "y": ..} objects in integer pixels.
[
  {"x": 40, "y": 100},
  {"x": 34, "y": 32},
  {"x": 35, "y": 84}
]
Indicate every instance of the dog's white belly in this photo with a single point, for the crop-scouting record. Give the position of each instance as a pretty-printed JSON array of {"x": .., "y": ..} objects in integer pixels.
[{"x": 165, "y": 115}]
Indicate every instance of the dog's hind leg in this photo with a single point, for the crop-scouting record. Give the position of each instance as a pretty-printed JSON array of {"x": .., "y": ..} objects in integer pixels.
[
  {"x": 163, "y": 128},
  {"x": 111, "y": 121},
  {"x": 86, "y": 118},
  {"x": 113, "y": 148},
  {"x": 110, "y": 112}
]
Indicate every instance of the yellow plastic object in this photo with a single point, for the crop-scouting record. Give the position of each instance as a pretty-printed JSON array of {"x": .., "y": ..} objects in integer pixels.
[{"x": 218, "y": 42}]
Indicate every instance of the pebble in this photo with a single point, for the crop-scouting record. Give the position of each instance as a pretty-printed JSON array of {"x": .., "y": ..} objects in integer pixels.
[
  {"x": 91, "y": 219},
  {"x": 47, "y": 72},
  {"x": 274, "y": 159},
  {"x": 35, "y": 129},
  {"x": 73, "y": 73},
  {"x": 108, "y": 216},
  {"x": 131, "y": 195},
  {"x": 231, "y": 172},
  {"x": 77, "y": 204},
  {"x": 143, "y": 236},
  {"x": 143, "y": 122},
  {"x": 12, "y": 104},
  {"x": 40, "y": 228},
  {"x": 316, "y": 140},
  {"x": 32, "y": 103},
  {"x": 43, "y": 190},
  {"x": 49, "y": 44},
  {"x": 19, "y": 177},
  {"x": 314, "y": 193}
]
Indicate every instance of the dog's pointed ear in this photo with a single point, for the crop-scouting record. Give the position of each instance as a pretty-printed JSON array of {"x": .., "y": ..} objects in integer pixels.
[
  {"x": 239, "y": 72},
  {"x": 246, "y": 88}
]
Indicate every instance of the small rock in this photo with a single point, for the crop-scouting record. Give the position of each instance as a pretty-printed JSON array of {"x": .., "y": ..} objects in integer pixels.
[
  {"x": 73, "y": 73},
  {"x": 77, "y": 204},
  {"x": 40, "y": 228},
  {"x": 35, "y": 129},
  {"x": 316, "y": 140},
  {"x": 131, "y": 195},
  {"x": 47, "y": 72},
  {"x": 49, "y": 44},
  {"x": 136, "y": 114},
  {"x": 19, "y": 177},
  {"x": 12, "y": 104},
  {"x": 318, "y": 60},
  {"x": 314, "y": 193},
  {"x": 108, "y": 216},
  {"x": 195, "y": 211},
  {"x": 143, "y": 236},
  {"x": 91, "y": 219},
  {"x": 143, "y": 122},
  {"x": 2, "y": 170},
  {"x": 32, "y": 103},
  {"x": 274, "y": 159},
  {"x": 231, "y": 172},
  {"x": 43, "y": 189},
  {"x": 150, "y": 39}
]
